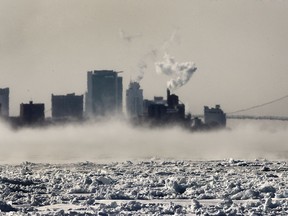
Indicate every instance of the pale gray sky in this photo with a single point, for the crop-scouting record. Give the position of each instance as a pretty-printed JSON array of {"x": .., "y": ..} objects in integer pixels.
[{"x": 239, "y": 47}]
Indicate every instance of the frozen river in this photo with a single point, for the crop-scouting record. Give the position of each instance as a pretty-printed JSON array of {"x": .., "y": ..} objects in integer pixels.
[{"x": 111, "y": 168}]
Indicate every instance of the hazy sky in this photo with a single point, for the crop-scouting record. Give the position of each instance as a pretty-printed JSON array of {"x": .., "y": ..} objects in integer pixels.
[{"x": 239, "y": 47}]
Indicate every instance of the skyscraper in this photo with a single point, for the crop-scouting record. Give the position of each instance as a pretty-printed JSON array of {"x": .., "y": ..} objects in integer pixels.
[
  {"x": 4, "y": 102},
  {"x": 104, "y": 95},
  {"x": 134, "y": 100}
]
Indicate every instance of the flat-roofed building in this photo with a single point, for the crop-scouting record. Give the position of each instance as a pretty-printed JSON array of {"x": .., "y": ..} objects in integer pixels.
[
  {"x": 214, "y": 117},
  {"x": 67, "y": 106},
  {"x": 32, "y": 113},
  {"x": 104, "y": 95}
]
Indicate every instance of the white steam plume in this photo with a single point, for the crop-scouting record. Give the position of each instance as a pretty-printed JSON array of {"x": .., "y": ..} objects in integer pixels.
[
  {"x": 174, "y": 38},
  {"x": 181, "y": 72},
  {"x": 142, "y": 64}
]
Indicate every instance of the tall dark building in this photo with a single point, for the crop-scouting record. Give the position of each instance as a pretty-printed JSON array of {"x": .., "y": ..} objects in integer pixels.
[
  {"x": 134, "y": 100},
  {"x": 67, "y": 106},
  {"x": 4, "y": 102},
  {"x": 32, "y": 113},
  {"x": 104, "y": 94}
]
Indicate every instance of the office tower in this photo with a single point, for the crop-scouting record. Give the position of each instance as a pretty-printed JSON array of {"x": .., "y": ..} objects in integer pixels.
[
  {"x": 104, "y": 96},
  {"x": 134, "y": 100},
  {"x": 4, "y": 102},
  {"x": 32, "y": 113},
  {"x": 67, "y": 106}
]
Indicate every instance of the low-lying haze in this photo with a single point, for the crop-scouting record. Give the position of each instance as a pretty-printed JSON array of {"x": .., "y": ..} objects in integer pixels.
[{"x": 117, "y": 141}]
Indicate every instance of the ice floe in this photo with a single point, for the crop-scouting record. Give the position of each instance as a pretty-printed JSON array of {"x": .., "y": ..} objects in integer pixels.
[{"x": 150, "y": 187}]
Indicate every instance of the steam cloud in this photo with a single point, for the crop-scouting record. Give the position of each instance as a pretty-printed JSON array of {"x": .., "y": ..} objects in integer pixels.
[
  {"x": 181, "y": 72},
  {"x": 142, "y": 64},
  {"x": 174, "y": 38}
]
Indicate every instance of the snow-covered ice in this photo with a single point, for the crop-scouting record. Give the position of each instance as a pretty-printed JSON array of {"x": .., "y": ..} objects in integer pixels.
[{"x": 146, "y": 187}]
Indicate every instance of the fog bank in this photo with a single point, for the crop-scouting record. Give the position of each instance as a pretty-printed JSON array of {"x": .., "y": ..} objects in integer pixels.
[{"x": 117, "y": 141}]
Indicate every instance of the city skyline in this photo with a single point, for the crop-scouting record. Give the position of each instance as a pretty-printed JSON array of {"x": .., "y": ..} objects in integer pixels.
[
  {"x": 239, "y": 49},
  {"x": 138, "y": 107}
]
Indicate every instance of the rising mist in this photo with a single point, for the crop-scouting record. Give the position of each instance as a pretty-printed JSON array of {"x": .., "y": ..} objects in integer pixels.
[{"x": 117, "y": 140}]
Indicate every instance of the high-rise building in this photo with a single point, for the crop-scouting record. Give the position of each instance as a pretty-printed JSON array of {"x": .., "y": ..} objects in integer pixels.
[
  {"x": 134, "y": 100},
  {"x": 4, "y": 102},
  {"x": 104, "y": 95},
  {"x": 67, "y": 106},
  {"x": 32, "y": 113}
]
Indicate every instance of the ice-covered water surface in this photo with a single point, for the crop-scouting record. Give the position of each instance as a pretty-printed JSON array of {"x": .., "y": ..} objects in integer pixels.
[
  {"x": 187, "y": 175},
  {"x": 150, "y": 187},
  {"x": 118, "y": 141}
]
